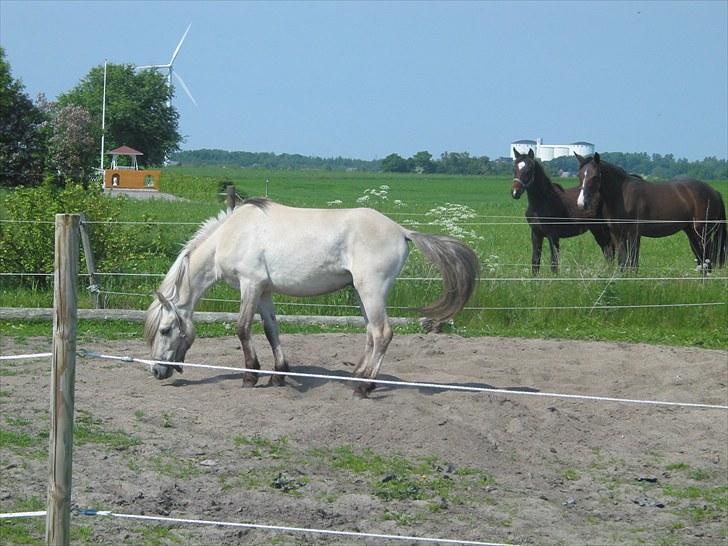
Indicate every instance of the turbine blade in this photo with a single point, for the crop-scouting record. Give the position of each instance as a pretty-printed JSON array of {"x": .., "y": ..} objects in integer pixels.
[
  {"x": 179, "y": 45},
  {"x": 184, "y": 86}
]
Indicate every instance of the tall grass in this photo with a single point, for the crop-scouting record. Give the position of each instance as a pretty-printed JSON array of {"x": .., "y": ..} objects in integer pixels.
[{"x": 583, "y": 301}]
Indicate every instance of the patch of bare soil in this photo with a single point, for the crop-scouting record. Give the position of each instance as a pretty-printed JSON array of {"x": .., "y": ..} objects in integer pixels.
[{"x": 407, "y": 461}]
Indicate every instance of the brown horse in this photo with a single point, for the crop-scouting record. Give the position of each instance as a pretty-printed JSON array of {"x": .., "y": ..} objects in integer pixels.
[
  {"x": 552, "y": 212},
  {"x": 635, "y": 207}
]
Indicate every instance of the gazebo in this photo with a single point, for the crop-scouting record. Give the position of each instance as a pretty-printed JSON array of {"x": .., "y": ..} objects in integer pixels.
[{"x": 129, "y": 177}]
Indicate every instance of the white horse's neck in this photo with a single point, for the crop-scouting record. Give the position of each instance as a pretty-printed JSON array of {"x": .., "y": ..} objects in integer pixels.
[{"x": 197, "y": 278}]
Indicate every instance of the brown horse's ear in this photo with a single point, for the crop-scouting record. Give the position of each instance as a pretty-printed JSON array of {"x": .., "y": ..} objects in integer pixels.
[
  {"x": 164, "y": 301},
  {"x": 596, "y": 158},
  {"x": 530, "y": 153},
  {"x": 579, "y": 158},
  {"x": 516, "y": 153}
]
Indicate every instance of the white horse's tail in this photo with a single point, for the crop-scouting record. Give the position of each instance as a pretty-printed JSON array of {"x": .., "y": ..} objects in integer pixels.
[{"x": 459, "y": 267}]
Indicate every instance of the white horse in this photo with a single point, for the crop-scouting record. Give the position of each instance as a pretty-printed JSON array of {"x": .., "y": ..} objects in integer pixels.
[{"x": 262, "y": 247}]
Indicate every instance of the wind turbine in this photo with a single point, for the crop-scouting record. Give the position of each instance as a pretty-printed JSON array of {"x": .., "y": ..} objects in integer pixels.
[{"x": 170, "y": 70}]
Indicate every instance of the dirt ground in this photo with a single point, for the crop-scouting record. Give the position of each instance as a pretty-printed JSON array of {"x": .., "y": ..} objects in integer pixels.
[{"x": 434, "y": 463}]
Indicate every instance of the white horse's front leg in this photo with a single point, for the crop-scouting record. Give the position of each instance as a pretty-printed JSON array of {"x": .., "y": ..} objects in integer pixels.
[
  {"x": 270, "y": 326},
  {"x": 249, "y": 302}
]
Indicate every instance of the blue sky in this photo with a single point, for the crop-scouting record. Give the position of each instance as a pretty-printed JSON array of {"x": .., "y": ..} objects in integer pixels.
[{"x": 365, "y": 79}]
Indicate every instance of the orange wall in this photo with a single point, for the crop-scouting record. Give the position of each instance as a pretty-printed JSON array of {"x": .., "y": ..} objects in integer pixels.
[{"x": 132, "y": 180}]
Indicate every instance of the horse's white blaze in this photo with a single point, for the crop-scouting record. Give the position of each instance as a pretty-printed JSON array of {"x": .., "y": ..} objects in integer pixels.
[
  {"x": 521, "y": 165},
  {"x": 586, "y": 173},
  {"x": 580, "y": 201}
]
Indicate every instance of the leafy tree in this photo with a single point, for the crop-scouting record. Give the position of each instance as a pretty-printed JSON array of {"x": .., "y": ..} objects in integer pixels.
[
  {"x": 395, "y": 163},
  {"x": 463, "y": 163},
  {"x": 22, "y": 146},
  {"x": 72, "y": 147},
  {"x": 423, "y": 162},
  {"x": 137, "y": 110},
  {"x": 203, "y": 157}
]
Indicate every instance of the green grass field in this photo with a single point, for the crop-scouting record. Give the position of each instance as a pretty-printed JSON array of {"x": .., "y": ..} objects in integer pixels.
[{"x": 589, "y": 299}]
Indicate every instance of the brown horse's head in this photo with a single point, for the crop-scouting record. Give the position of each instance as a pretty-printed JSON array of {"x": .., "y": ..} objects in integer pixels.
[
  {"x": 524, "y": 171},
  {"x": 590, "y": 179}
]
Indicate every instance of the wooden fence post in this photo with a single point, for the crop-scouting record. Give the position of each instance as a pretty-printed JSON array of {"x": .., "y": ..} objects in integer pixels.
[
  {"x": 93, "y": 284},
  {"x": 230, "y": 197},
  {"x": 63, "y": 376}
]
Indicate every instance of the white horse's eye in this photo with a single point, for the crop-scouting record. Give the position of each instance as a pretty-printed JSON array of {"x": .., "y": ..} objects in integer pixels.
[{"x": 165, "y": 331}]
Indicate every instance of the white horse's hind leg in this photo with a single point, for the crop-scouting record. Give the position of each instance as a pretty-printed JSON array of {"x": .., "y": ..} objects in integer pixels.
[
  {"x": 249, "y": 302},
  {"x": 379, "y": 335},
  {"x": 368, "y": 346},
  {"x": 270, "y": 326}
]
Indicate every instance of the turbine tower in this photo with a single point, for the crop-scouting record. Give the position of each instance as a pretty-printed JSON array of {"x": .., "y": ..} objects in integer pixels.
[{"x": 170, "y": 70}]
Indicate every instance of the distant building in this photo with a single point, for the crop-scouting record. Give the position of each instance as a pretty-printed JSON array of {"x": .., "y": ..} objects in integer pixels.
[
  {"x": 129, "y": 177},
  {"x": 547, "y": 152}
]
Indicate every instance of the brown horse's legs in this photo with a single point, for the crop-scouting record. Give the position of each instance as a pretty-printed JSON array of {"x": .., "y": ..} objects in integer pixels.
[
  {"x": 604, "y": 240},
  {"x": 633, "y": 252},
  {"x": 608, "y": 251},
  {"x": 555, "y": 251},
  {"x": 622, "y": 253},
  {"x": 697, "y": 245},
  {"x": 248, "y": 304},
  {"x": 270, "y": 326},
  {"x": 536, "y": 244},
  {"x": 628, "y": 250}
]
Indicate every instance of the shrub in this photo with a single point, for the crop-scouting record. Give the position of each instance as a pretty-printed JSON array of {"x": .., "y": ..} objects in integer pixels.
[{"x": 27, "y": 241}]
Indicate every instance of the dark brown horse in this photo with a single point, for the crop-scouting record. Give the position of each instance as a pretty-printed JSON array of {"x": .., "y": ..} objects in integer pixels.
[
  {"x": 552, "y": 212},
  {"x": 635, "y": 207}
]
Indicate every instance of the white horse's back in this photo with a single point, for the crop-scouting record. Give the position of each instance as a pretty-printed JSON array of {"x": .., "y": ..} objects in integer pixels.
[{"x": 304, "y": 252}]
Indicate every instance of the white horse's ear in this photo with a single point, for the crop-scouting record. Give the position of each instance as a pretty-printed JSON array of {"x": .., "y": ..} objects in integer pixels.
[{"x": 164, "y": 301}]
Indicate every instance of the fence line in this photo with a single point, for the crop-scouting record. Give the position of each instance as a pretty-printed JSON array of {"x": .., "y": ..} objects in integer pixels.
[
  {"x": 441, "y": 386},
  {"x": 84, "y": 353},
  {"x": 431, "y": 279},
  {"x": 486, "y": 262},
  {"x": 435, "y": 222},
  {"x": 353, "y": 534},
  {"x": 466, "y": 308},
  {"x": 25, "y": 356}
]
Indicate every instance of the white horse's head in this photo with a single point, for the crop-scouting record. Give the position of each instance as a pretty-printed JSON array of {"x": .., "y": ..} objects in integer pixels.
[{"x": 169, "y": 334}]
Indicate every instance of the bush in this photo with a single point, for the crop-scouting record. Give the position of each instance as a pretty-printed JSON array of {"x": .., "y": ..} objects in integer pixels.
[{"x": 27, "y": 241}]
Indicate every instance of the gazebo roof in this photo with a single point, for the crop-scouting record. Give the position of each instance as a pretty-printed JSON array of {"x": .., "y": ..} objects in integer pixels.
[{"x": 125, "y": 150}]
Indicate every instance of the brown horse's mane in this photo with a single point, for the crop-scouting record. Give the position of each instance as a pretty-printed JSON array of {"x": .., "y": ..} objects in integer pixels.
[
  {"x": 540, "y": 171},
  {"x": 612, "y": 170}
]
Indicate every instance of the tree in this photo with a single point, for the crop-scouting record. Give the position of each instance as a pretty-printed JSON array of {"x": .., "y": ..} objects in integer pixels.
[
  {"x": 423, "y": 162},
  {"x": 72, "y": 146},
  {"x": 395, "y": 163},
  {"x": 22, "y": 146},
  {"x": 137, "y": 110}
]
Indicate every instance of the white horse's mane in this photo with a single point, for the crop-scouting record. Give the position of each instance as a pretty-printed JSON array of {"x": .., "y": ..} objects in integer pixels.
[
  {"x": 178, "y": 271},
  {"x": 179, "y": 268}
]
